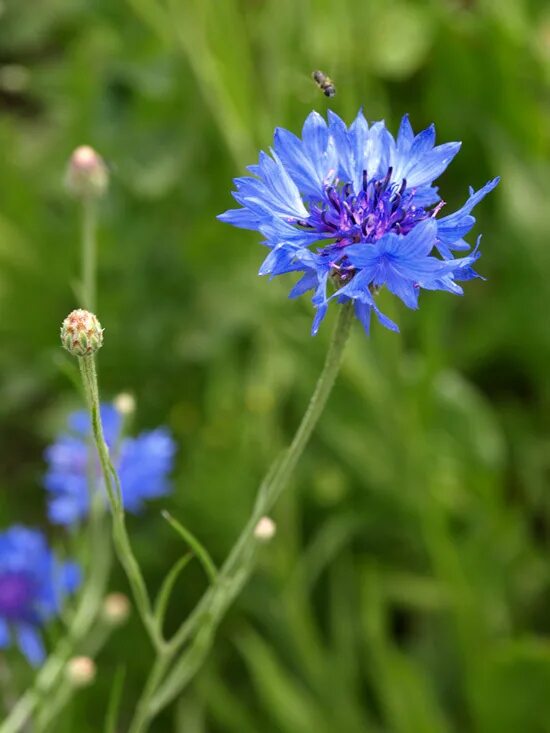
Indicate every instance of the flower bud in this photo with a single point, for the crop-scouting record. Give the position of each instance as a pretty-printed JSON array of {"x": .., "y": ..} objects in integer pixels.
[
  {"x": 265, "y": 530},
  {"x": 87, "y": 175},
  {"x": 81, "y": 333},
  {"x": 81, "y": 671},
  {"x": 125, "y": 403},
  {"x": 116, "y": 609}
]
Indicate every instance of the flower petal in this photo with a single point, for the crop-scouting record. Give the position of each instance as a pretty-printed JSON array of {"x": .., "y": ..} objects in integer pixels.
[
  {"x": 455, "y": 226},
  {"x": 30, "y": 643}
]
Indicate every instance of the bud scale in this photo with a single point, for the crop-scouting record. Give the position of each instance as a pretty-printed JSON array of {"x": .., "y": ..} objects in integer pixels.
[{"x": 81, "y": 333}]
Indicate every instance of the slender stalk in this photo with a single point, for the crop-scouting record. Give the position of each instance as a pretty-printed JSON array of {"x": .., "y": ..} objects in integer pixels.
[
  {"x": 200, "y": 627},
  {"x": 120, "y": 535},
  {"x": 89, "y": 253},
  {"x": 142, "y": 715},
  {"x": 49, "y": 676},
  {"x": 273, "y": 486}
]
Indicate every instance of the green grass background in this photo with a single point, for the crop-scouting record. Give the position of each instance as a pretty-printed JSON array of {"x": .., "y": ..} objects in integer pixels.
[{"x": 408, "y": 588}]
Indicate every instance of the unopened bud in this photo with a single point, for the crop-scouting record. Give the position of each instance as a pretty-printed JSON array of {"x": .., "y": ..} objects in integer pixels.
[
  {"x": 81, "y": 671},
  {"x": 125, "y": 403},
  {"x": 265, "y": 529},
  {"x": 116, "y": 608},
  {"x": 87, "y": 175},
  {"x": 81, "y": 333}
]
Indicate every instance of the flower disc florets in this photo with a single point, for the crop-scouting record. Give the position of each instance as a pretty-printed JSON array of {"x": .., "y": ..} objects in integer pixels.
[
  {"x": 81, "y": 333},
  {"x": 356, "y": 208}
]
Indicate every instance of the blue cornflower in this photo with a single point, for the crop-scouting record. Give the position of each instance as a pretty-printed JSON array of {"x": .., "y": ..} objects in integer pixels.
[
  {"x": 353, "y": 207},
  {"x": 143, "y": 465},
  {"x": 33, "y": 584}
]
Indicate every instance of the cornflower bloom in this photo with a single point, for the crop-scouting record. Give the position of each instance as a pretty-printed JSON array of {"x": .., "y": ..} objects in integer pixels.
[
  {"x": 143, "y": 464},
  {"x": 356, "y": 208},
  {"x": 33, "y": 584}
]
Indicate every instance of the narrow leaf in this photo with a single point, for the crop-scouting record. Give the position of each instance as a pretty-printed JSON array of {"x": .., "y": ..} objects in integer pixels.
[
  {"x": 161, "y": 603},
  {"x": 114, "y": 700},
  {"x": 198, "y": 549}
]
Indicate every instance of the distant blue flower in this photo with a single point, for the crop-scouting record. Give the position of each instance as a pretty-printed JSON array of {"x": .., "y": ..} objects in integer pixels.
[
  {"x": 33, "y": 585},
  {"x": 143, "y": 465},
  {"x": 356, "y": 208}
]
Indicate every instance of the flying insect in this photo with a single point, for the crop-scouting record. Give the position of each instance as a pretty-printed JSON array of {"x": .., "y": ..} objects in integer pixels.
[{"x": 325, "y": 83}]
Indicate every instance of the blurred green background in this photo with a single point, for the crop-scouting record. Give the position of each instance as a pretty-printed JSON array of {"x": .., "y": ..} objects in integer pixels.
[{"x": 408, "y": 587}]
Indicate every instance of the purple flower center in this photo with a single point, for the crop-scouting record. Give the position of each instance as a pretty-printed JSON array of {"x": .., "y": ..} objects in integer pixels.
[
  {"x": 16, "y": 595},
  {"x": 380, "y": 207},
  {"x": 346, "y": 217}
]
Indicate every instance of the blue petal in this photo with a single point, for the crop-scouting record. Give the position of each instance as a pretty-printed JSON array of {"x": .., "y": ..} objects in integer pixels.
[
  {"x": 405, "y": 136},
  {"x": 144, "y": 465},
  {"x": 4, "y": 634},
  {"x": 364, "y": 304},
  {"x": 423, "y": 143},
  {"x": 242, "y": 218},
  {"x": 320, "y": 148},
  {"x": 424, "y": 196},
  {"x": 431, "y": 165},
  {"x": 454, "y": 226},
  {"x": 277, "y": 231},
  {"x": 68, "y": 510},
  {"x": 358, "y": 135},
  {"x": 363, "y": 311},
  {"x": 30, "y": 643},
  {"x": 339, "y": 134},
  {"x": 320, "y": 301},
  {"x": 417, "y": 243},
  {"x": 319, "y": 316},
  {"x": 279, "y": 261},
  {"x": 80, "y": 423},
  {"x": 410, "y": 149},
  {"x": 380, "y": 145},
  {"x": 290, "y": 150},
  {"x": 281, "y": 185},
  {"x": 385, "y": 321},
  {"x": 308, "y": 281},
  {"x": 403, "y": 289},
  {"x": 71, "y": 577}
]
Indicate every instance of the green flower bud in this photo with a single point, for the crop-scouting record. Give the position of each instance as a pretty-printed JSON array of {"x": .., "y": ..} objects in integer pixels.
[
  {"x": 265, "y": 530},
  {"x": 81, "y": 671},
  {"x": 116, "y": 609},
  {"x": 87, "y": 175},
  {"x": 81, "y": 333}
]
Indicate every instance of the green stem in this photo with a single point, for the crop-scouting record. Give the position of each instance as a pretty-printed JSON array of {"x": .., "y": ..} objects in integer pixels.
[
  {"x": 89, "y": 253},
  {"x": 203, "y": 621},
  {"x": 142, "y": 715},
  {"x": 49, "y": 675},
  {"x": 274, "y": 484},
  {"x": 112, "y": 484}
]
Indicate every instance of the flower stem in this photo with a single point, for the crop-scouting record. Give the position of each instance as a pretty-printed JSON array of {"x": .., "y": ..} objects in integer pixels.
[
  {"x": 89, "y": 253},
  {"x": 143, "y": 714},
  {"x": 112, "y": 484},
  {"x": 89, "y": 604},
  {"x": 200, "y": 627}
]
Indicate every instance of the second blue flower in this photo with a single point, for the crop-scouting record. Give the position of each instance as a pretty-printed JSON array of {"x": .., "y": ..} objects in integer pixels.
[{"x": 143, "y": 464}]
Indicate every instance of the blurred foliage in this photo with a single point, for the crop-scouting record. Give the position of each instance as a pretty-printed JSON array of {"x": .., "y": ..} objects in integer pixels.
[{"x": 408, "y": 588}]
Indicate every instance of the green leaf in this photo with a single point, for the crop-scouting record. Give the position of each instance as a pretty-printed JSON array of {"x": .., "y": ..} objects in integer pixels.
[
  {"x": 163, "y": 597},
  {"x": 196, "y": 546},
  {"x": 114, "y": 700}
]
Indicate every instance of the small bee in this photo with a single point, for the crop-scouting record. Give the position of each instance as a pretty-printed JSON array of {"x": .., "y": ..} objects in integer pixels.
[{"x": 325, "y": 84}]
